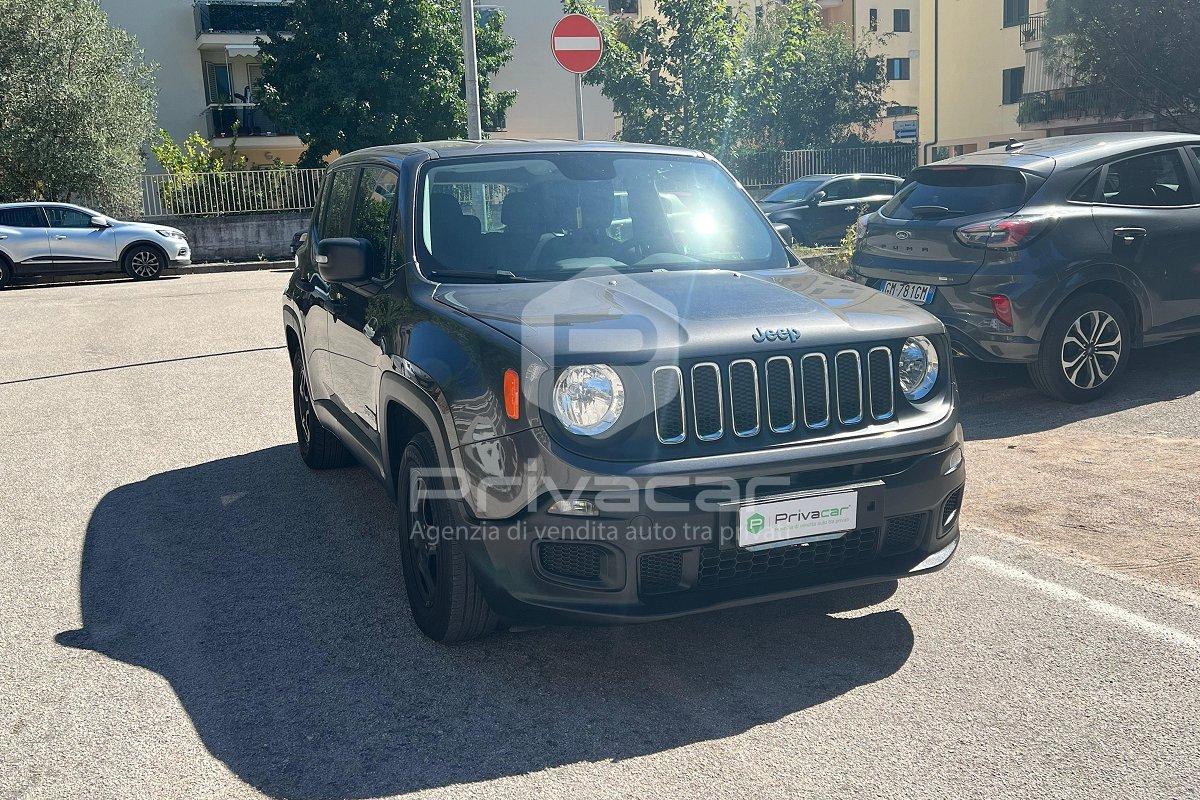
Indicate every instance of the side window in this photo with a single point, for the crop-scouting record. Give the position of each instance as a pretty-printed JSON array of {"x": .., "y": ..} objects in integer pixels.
[
  {"x": 1155, "y": 180},
  {"x": 335, "y": 216},
  {"x": 842, "y": 190},
  {"x": 875, "y": 188},
  {"x": 27, "y": 217},
  {"x": 373, "y": 216},
  {"x": 1086, "y": 193},
  {"x": 67, "y": 217}
]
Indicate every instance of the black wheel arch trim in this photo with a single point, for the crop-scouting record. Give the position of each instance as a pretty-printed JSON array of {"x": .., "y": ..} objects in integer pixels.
[
  {"x": 1094, "y": 275},
  {"x": 413, "y": 390}
]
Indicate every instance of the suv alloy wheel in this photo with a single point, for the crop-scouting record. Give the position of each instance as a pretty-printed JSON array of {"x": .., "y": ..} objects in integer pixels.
[
  {"x": 143, "y": 263},
  {"x": 1085, "y": 349}
]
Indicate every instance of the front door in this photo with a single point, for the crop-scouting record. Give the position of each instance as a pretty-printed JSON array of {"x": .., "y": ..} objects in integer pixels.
[
  {"x": 355, "y": 344},
  {"x": 75, "y": 244},
  {"x": 24, "y": 238},
  {"x": 837, "y": 211},
  {"x": 1148, "y": 212}
]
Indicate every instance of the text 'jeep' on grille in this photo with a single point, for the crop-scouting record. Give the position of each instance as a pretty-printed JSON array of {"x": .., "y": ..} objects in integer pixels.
[{"x": 601, "y": 388}]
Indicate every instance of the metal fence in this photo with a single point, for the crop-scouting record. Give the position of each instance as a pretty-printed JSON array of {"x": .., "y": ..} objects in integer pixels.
[
  {"x": 777, "y": 168},
  {"x": 240, "y": 192}
]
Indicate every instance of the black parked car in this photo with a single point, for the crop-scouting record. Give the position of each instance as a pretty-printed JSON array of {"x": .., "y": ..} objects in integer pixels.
[
  {"x": 1064, "y": 253},
  {"x": 821, "y": 208},
  {"x": 644, "y": 419}
]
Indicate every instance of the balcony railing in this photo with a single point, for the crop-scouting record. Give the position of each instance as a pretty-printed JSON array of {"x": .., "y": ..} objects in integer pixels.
[
  {"x": 241, "y": 119},
  {"x": 240, "y": 16},
  {"x": 1079, "y": 102},
  {"x": 1034, "y": 28}
]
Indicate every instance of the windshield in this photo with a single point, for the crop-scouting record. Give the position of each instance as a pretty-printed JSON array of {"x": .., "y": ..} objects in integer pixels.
[
  {"x": 941, "y": 192},
  {"x": 550, "y": 216},
  {"x": 794, "y": 192}
]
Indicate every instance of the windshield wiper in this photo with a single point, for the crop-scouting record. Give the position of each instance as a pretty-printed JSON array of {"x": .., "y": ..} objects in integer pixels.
[
  {"x": 935, "y": 211},
  {"x": 499, "y": 276}
]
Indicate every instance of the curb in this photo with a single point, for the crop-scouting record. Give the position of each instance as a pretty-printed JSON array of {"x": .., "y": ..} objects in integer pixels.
[{"x": 228, "y": 266}]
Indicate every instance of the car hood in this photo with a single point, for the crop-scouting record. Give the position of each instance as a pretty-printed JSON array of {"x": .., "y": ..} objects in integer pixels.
[
  {"x": 643, "y": 317},
  {"x": 141, "y": 226}
]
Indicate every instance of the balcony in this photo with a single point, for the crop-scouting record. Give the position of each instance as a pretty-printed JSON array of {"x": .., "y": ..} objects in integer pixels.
[
  {"x": 245, "y": 120},
  {"x": 1033, "y": 29},
  {"x": 240, "y": 17},
  {"x": 1080, "y": 102}
]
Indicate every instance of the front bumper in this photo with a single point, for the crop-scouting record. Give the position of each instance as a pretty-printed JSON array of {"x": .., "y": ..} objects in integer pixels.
[
  {"x": 180, "y": 254},
  {"x": 641, "y": 565}
]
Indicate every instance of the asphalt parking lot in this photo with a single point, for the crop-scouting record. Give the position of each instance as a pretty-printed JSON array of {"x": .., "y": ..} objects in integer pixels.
[{"x": 189, "y": 612}]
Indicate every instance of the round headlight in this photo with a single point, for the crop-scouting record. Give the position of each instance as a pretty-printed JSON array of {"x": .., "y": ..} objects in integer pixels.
[
  {"x": 918, "y": 368},
  {"x": 588, "y": 399}
]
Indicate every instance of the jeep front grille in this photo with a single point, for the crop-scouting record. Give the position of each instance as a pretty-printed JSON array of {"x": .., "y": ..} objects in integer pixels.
[{"x": 774, "y": 396}]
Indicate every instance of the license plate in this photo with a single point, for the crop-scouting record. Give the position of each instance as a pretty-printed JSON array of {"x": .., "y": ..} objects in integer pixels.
[
  {"x": 913, "y": 292},
  {"x": 761, "y": 524}
]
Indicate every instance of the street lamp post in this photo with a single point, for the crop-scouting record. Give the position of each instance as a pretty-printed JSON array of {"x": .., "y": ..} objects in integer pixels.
[{"x": 474, "y": 123}]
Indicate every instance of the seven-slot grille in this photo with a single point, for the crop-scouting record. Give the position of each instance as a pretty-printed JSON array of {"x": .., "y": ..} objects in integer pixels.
[{"x": 779, "y": 394}]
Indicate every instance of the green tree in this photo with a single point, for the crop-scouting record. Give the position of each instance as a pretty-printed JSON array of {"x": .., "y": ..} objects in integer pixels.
[
  {"x": 1141, "y": 54},
  {"x": 672, "y": 80},
  {"x": 76, "y": 105},
  {"x": 808, "y": 85},
  {"x": 194, "y": 155},
  {"x": 357, "y": 73}
]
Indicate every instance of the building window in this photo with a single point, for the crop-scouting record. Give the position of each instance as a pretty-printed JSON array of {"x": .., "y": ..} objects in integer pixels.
[
  {"x": 873, "y": 19},
  {"x": 622, "y": 6},
  {"x": 1014, "y": 85},
  {"x": 897, "y": 69},
  {"x": 901, "y": 20},
  {"x": 220, "y": 89},
  {"x": 1015, "y": 12}
]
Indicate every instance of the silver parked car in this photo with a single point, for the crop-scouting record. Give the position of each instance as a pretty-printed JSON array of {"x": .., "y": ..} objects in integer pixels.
[{"x": 59, "y": 238}]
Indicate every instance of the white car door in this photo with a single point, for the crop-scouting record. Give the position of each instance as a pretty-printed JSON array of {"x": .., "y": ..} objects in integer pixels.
[
  {"x": 76, "y": 244},
  {"x": 24, "y": 239}
]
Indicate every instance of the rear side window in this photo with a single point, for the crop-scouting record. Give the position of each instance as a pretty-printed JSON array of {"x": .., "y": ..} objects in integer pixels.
[
  {"x": 1156, "y": 180},
  {"x": 875, "y": 188},
  {"x": 27, "y": 217},
  {"x": 939, "y": 192}
]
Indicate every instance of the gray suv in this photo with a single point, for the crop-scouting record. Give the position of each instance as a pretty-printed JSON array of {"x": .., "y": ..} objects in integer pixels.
[
  {"x": 1064, "y": 253},
  {"x": 60, "y": 238},
  {"x": 601, "y": 389}
]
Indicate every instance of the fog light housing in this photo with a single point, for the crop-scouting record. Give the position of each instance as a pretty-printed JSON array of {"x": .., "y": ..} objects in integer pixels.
[{"x": 574, "y": 508}]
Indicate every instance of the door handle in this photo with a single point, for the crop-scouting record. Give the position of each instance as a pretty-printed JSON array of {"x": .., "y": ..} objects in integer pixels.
[
  {"x": 3, "y": 236},
  {"x": 1129, "y": 235},
  {"x": 59, "y": 237}
]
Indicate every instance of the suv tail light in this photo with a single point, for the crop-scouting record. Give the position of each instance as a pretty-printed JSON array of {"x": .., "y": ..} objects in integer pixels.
[{"x": 1010, "y": 233}]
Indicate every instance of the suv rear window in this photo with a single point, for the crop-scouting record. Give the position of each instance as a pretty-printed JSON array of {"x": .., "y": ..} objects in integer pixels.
[{"x": 938, "y": 192}]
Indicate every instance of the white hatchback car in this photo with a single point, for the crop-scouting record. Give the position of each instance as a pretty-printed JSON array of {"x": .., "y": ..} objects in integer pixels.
[{"x": 59, "y": 238}]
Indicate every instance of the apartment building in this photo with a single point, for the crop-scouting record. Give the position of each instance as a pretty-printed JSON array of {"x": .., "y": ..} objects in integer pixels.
[
  {"x": 210, "y": 69},
  {"x": 985, "y": 79},
  {"x": 897, "y": 23}
]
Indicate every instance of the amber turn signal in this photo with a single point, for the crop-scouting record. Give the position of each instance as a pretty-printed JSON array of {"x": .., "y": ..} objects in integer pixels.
[{"x": 512, "y": 394}]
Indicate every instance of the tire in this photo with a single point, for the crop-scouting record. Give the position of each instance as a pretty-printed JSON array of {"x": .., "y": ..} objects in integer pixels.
[
  {"x": 1084, "y": 350},
  {"x": 443, "y": 593},
  {"x": 143, "y": 262},
  {"x": 5, "y": 273},
  {"x": 319, "y": 447}
]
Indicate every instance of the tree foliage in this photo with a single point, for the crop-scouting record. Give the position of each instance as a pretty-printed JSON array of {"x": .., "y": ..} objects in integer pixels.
[
  {"x": 1142, "y": 54},
  {"x": 195, "y": 155},
  {"x": 672, "y": 79},
  {"x": 357, "y": 73},
  {"x": 76, "y": 105},
  {"x": 701, "y": 76}
]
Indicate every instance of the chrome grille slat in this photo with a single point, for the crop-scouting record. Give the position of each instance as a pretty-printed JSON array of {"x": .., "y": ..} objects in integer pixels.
[
  {"x": 848, "y": 379},
  {"x": 738, "y": 386},
  {"x": 810, "y": 375},
  {"x": 708, "y": 402},
  {"x": 669, "y": 423},
  {"x": 787, "y": 380},
  {"x": 882, "y": 383}
]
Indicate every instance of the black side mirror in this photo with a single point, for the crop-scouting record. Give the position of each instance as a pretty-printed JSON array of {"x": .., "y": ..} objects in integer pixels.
[
  {"x": 343, "y": 260},
  {"x": 816, "y": 199},
  {"x": 99, "y": 221},
  {"x": 785, "y": 232}
]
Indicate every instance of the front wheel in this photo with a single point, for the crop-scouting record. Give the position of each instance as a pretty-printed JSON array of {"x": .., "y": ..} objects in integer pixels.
[
  {"x": 5, "y": 273},
  {"x": 1084, "y": 350},
  {"x": 143, "y": 262},
  {"x": 443, "y": 593}
]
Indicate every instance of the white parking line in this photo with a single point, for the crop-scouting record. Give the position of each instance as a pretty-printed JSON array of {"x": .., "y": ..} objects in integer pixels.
[{"x": 1123, "y": 616}]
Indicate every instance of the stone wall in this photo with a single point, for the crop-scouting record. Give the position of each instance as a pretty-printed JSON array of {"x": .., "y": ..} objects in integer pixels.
[{"x": 240, "y": 237}]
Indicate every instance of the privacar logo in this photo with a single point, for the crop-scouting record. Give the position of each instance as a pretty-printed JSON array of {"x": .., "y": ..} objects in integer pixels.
[{"x": 755, "y": 523}]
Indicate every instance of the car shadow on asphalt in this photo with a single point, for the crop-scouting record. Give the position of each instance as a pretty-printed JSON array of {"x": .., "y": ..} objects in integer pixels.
[
  {"x": 999, "y": 400},
  {"x": 104, "y": 279},
  {"x": 271, "y": 598}
]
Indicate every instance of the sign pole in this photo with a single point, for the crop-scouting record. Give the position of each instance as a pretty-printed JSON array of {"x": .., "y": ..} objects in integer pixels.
[
  {"x": 471, "y": 70},
  {"x": 579, "y": 104}
]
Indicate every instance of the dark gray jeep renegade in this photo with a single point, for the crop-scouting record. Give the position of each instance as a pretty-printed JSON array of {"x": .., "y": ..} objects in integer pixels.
[{"x": 600, "y": 387}]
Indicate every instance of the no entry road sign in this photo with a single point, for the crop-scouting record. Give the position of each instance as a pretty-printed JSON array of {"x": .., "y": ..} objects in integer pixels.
[{"x": 576, "y": 43}]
